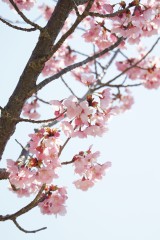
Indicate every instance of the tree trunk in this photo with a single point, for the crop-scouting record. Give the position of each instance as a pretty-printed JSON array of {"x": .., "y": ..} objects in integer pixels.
[{"x": 27, "y": 81}]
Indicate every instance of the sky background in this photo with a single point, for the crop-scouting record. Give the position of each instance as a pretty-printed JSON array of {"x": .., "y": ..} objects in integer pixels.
[{"x": 125, "y": 204}]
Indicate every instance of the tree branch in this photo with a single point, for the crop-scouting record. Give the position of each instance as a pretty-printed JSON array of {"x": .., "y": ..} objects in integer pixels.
[
  {"x": 27, "y": 83},
  {"x": 3, "y": 174},
  {"x": 24, "y": 17},
  {"x": 26, "y": 231},
  {"x": 69, "y": 87},
  {"x": 16, "y": 27},
  {"x": 73, "y": 27},
  {"x": 39, "y": 121},
  {"x": 124, "y": 86},
  {"x": 135, "y": 64},
  {"x": 67, "y": 162},
  {"x": 110, "y": 15},
  {"x": 25, "y": 209},
  {"x": 79, "y": 64}
]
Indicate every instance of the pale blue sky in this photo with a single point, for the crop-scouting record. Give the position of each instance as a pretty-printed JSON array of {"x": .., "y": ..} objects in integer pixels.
[{"x": 125, "y": 204}]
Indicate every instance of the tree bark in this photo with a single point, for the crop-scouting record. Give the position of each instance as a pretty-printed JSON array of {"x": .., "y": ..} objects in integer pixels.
[
  {"x": 27, "y": 81},
  {"x": 3, "y": 174}
]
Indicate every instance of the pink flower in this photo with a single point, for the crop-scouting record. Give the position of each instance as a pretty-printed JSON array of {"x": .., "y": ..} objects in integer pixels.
[
  {"x": 153, "y": 83},
  {"x": 30, "y": 108},
  {"x": 98, "y": 171},
  {"x": 86, "y": 165},
  {"x": 22, "y": 4},
  {"x": 95, "y": 130},
  {"x": 58, "y": 108},
  {"x": 54, "y": 203},
  {"x": 19, "y": 177},
  {"x": 88, "y": 80},
  {"x": 84, "y": 184},
  {"x": 45, "y": 175},
  {"x": 73, "y": 108},
  {"x": 67, "y": 128},
  {"x": 93, "y": 33},
  {"x": 47, "y": 11},
  {"x": 105, "y": 100}
]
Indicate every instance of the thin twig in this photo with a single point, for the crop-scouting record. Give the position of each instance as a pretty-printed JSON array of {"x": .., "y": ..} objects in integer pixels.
[
  {"x": 67, "y": 162},
  {"x": 86, "y": 55},
  {"x": 82, "y": 29},
  {"x": 21, "y": 22},
  {"x": 135, "y": 64},
  {"x": 27, "y": 208},
  {"x": 61, "y": 149},
  {"x": 111, "y": 60},
  {"x": 20, "y": 144},
  {"x": 73, "y": 27},
  {"x": 69, "y": 87},
  {"x": 124, "y": 86},
  {"x": 95, "y": 63},
  {"x": 76, "y": 8},
  {"x": 25, "y": 152},
  {"x": 16, "y": 27},
  {"x": 43, "y": 101},
  {"x": 75, "y": 65},
  {"x": 24, "y": 17},
  {"x": 39, "y": 121},
  {"x": 109, "y": 15},
  {"x": 26, "y": 231}
]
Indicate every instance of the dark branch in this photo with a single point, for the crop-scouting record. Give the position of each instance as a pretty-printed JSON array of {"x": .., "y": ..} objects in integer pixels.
[
  {"x": 68, "y": 87},
  {"x": 24, "y": 17},
  {"x": 27, "y": 83},
  {"x": 110, "y": 15},
  {"x": 79, "y": 64},
  {"x": 27, "y": 208},
  {"x": 124, "y": 86},
  {"x": 26, "y": 231},
  {"x": 67, "y": 162},
  {"x": 73, "y": 27},
  {"x": 16, "y": 27},
  {"x": 40, "y": 121},
  {"x": 4, "y": 174},
  {"x": 135, "y": 64}
]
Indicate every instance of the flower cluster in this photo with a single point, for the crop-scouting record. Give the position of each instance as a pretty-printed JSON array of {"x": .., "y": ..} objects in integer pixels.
[
  {"x": 27, "y": 175},
  {"x": 41, "y": 166},
  {"x": 85, "y": 118},
  {"x": 142, "y": 20},
  {"x": 78, "y": 117},
  {"x": 86, "y": 166},
  {"x": 123, "y": 101},
  {"x": 99, "y": 34},
  {"x": 84, "y": 76},
  {"x": 54, "y": 201},
  {"x": 136, "y": 20},
  {"x": 148, "y": 70}
]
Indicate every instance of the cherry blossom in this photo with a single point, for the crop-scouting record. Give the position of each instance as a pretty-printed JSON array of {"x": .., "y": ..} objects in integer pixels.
[
  {"x": 86, "y": 165},
  {"x": 47, "y": 11},
  {"x": 22, "y": 4},
  {"x": 54, "y": 202},
  {"x": 30, "y": 108},
  {"x": 88, "y": 115},
  {"x": 148, "y": 70}
]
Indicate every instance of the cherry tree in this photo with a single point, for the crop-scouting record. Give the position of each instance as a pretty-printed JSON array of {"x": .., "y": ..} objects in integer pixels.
[{"x": 106, "y": 72}]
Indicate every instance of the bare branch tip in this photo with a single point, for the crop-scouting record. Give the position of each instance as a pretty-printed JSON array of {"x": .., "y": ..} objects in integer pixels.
[{"x": 27, "y": 231}]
